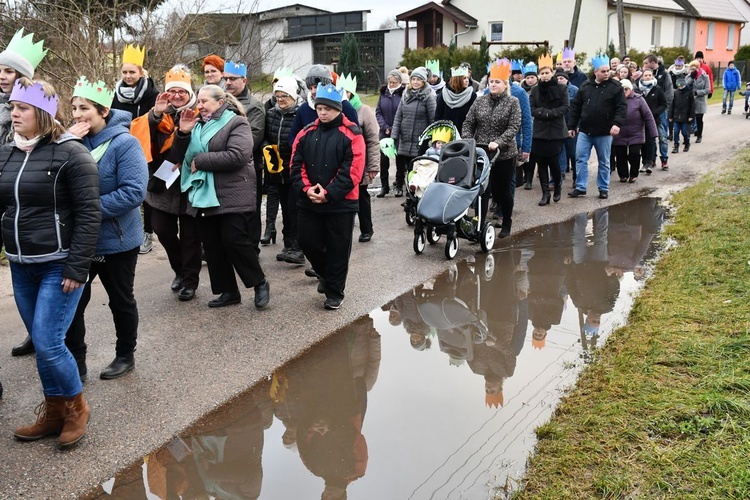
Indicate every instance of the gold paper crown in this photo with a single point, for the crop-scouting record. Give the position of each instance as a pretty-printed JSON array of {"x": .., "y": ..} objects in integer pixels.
[
  {"x": 177, "y": 76},
  {"x": 494, "y": 400},
  {"x": 500, "y": 70},
  {"x": 133, "y": 54},
  {"x": 546, "y": 61},
  {"x": 558, "y": 58}
]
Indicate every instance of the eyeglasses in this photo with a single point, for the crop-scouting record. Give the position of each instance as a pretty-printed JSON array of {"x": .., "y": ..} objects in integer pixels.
[
  {"x": 179, "y": 92},
  {"x": 282, "y": 97}
]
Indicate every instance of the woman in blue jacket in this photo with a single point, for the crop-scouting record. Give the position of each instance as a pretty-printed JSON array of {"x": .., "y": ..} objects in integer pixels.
[{"x": 123, "y": 175}]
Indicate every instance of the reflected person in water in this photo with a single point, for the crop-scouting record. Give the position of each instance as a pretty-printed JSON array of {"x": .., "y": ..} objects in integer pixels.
[{"x": 403, "y": 311}]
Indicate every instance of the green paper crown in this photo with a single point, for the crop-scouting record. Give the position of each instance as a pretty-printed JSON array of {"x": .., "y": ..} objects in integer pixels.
[
  {"x": 433, "y": 65},
  {"x": 282, "y": 72},
  {"x": 97, "y": 92},
  {"x": 26, "y": 48},
  {"x": 460, "y": 71},
  {"x": 347, "y": 82}
]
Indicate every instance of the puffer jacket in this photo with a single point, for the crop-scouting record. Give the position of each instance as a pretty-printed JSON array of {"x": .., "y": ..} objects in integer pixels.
[
  {"x": 597, "y": 107},
  {"x": 385, "y": 110},
  {"x": 416, "y": 111},
  {"x": 278, "y": 124},
  {"x": 230, "y": 159},
  {"x": 639, "y": 124},
  {"x": 494, "y": 118},
  {"x": 549, "y": 104},
  {"x": 49, "y": 200},
  {"x": 333, "y": 155},
  {"x": 123, "y": 175}
]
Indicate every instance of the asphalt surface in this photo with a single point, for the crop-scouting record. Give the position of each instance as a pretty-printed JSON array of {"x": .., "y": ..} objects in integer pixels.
[{"x": 191, "y": 359}]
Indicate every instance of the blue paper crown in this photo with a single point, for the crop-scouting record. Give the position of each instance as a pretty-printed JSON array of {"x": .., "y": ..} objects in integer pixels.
[
  {"x": 329, "y": 92},
  {"x": 235, "y": 68},
  {"x": 599, "y": 61},
  {"x": 516, "y": 65},
  {"x": 530, "y": 68}
]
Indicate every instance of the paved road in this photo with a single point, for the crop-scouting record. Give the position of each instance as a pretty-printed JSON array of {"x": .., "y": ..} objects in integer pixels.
[{"x": 191, "y": 359}]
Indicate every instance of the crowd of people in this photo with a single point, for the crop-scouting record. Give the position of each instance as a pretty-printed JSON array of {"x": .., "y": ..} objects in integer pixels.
[{"x": 82, "y": 197}]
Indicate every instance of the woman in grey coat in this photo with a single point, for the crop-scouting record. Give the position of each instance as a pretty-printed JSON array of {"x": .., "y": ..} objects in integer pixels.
[
  {"x": 698, "y": 80},
  {"x": 415, "y": 112}
]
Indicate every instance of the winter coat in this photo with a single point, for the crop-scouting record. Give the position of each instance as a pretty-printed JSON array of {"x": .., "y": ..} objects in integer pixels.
[
  {"x": 444, "y": 110},
  {"x": 656, "y": 100},
  {"x": 494, "y": 118},
  {"x": 385, "y": 111},
  {"x": 141, "y": 107},
  {"x": 416, "y": 111},
  {"x": 49, "y": 200},
  {"x": 732, "y": 80},
  {"x": 371, "y": 133},
  {"x": 639, "y": 124},
  {"x": 597, "y": 107},
  {"x": 306, "y": 114},
  {"x": 123, "y": 175},
  {"x": 256, "y": 116},
  {"x": 701, "y": 88},
  {"x": 683, "y": 106},
  {"x": 577, "y": 77},
  {"x": 230, "y": 159},
  {"x": 665, "y": 83},
  {"x": 549, "y": 104},
  {"x": 278, "y": 125},
  {"x": 524, "y": 135},
  {"x": 333, "y": 155},
  {"x": 675, "y": 73},
  {"x": 709, "y": 72},
  {"x": 6, "y": 128}
]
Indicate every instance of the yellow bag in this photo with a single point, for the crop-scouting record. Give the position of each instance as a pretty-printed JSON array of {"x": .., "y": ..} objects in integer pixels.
[{"x": 274, "y": 163}]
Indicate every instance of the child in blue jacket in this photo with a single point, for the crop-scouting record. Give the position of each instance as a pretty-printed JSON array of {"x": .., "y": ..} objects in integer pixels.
[{"x": 731, "y": 84}]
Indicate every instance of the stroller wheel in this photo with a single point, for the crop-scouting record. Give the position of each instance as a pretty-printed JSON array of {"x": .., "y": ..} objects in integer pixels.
[
  {"x": 410, "y": 215},
  {"x": 487, "y": 236},
  {"x": 432, "y": 235},
  {"x": 451, "y": 248},
  {"x": 419, "y": 242}
]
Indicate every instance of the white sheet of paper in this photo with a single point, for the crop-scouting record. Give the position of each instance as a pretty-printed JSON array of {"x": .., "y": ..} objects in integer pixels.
[{"x": 166, "y": 174}]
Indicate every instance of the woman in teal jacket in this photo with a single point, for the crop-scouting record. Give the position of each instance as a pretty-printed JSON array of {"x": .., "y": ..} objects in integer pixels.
[{"x": 123, "y": 175}]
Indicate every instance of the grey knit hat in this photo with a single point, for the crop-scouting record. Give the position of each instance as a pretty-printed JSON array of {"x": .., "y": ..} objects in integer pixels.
[
  {"x": 394, "y": 74},
  {"x": 420, "y": 72},
  {"x": 22, "y": 54},
  {"x": 17, "y": 62}
]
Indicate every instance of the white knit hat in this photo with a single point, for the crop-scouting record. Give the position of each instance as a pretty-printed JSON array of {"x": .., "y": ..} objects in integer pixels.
[{"x": 287, "y": 85}]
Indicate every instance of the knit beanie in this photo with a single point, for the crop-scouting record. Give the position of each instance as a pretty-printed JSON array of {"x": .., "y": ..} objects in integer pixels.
[
  {"x": 394, "y": 74},
  {"x": 561, "y": 72},
  {"x": 215, "y": 61},
  {"x": 22, "y": 55},
  {"x": 420, "y": 72},
  {"x": 287, "y": 85}
]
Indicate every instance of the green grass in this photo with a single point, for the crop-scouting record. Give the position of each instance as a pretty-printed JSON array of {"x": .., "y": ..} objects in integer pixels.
[{"x": 664, "y": 411}]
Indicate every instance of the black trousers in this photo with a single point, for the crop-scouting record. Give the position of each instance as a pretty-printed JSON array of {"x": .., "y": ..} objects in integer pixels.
[
  {"x": 117, "y": 274},
  {"x": 256, "y": 225},
  {"x": 403, "y": 164},
  {"x": 326, "y": 240},
  {"x": 288, "y": 202},
  {"x": 229, "y": 247},
  {"x": 147, "y": 222},
  {"x": 628, "y": 160},
  {"x": 545, "y": 165},
  {"x": 178, "y": 234},
  {"x": 385, "y": 164},
  {"x": 502, "y": 180},
  {"x": 649, "y": 150},
  {"x": 698, "y": 125},
  {"x": 365, "y": 210}
]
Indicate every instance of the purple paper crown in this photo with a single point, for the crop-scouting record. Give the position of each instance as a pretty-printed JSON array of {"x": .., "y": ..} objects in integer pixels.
[
  {"x": 34, "y": 95},
  {"x": 568, "y": 53}
]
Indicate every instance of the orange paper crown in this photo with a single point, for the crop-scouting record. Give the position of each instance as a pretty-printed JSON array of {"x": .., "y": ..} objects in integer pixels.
[
  {"x": 546, "y": 61},
  {"x": 177, "y": 76},
  {"x": 539, "y": 344},
  {"x": 494, "y": 400},
  {"x": 500, "y": 69}
]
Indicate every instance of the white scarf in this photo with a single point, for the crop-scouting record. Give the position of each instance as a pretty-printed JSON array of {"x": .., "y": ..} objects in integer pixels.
[{"x": 26, "y": 144}]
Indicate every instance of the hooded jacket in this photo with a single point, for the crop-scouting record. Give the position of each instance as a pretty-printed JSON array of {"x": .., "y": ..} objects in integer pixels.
[
  {"x": 123, "y": 175},
  {"x": 682, "y": 109},
  {"x": 524, "y": 135},
  {"x": 549, "y": 104},
  {"x": 732, "y": 80},
  {"x": 639, "y": 124},
  {"x": 597, "y": 107},
  {"x": 49, "y": 200},
  {"x": 307, "y": 115},
  {"x": 416, "y": 111},
  {"x": 385, "y": 110}
]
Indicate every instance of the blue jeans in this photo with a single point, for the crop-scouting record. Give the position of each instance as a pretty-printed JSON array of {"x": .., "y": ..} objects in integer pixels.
[
  {"x": 664, "y": 136},
  {"x": 603, "y": 146},
  {"x": 568, "y": 153},
  {"x": 729, "y": 93},
  {"x": 47, "y": 312},
  {"x": 683, "y": 127}
]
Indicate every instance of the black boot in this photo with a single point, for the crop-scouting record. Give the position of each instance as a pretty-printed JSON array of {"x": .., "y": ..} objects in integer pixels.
[
  {"x": 556, "y": 194},
  {"x": 24, "y": 348},
  {"x": 384, "y": 190},
  {"x": 505, "y": 229},
  {"x": 545, "y": 197},
  {"x": 118, "y": 367},
  {"x": 295, "y": 254},
  {"x": 270, "y": 235}
]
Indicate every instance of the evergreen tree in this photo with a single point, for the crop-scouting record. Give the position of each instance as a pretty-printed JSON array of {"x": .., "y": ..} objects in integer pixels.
[{"x": 349, "y": 59}]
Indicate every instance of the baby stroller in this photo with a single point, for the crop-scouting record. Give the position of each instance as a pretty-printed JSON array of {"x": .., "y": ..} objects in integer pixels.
[
  {"x": 462, "y": 177},
  {"x": 423, "y": 168}
]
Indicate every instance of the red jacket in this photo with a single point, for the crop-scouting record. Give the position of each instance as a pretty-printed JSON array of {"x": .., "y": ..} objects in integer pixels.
[{"x": 705, "y": 67}]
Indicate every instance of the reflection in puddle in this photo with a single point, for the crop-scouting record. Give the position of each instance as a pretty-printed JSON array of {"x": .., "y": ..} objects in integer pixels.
[{"x": 436, "y": 395}]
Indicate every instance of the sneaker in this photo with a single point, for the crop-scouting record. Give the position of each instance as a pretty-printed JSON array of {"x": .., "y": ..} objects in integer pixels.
[
  {"x": 643, "y": 169},
  {"x": 723, "y": 111},
  {"x": 576, "y": 193},
  {"x": 648, "y": 169},
  {"x": 148, "y": 243},
  {"x": 332, "y": 304},
  {"x": 729, "y": 112},
  {"x": 603, "y": 195}
]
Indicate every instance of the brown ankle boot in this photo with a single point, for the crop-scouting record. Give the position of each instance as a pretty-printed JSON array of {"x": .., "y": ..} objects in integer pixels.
[
  {"x": 49, "y": 420},
  {"x": 76, "y": 413}
]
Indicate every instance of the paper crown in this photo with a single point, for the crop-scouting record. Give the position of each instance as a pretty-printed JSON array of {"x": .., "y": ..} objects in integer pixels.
[
  {"x": 176, "y": 77},
  {"x": 235, "y": 68},
  {"x": 494, "y": 400},
  {"x": 568, "y": 53},
  {"x": 516, "y": 65},
  {"x": 539, "y": 343},
  {"x": 546, "y": 61},
  {"x": 329, "y": 93},
  {"x": 442, "y": 134},
  {"x": 433, "y": 65},
  {"x": 34, "y": 95},
  {"x": 388, "y": 147},
  {"x": 558, "y": 57},
  {"x": 500, "y": 69},
  {"x": 97, "y": 92},
  {"x": 133, "y": 54},
  {"x": 600, "y": 60},
  {"x": 460, "y": 71},
  {"x": 348, "y": 83},
  {"x": 282, "y": 72},
  {"x": 530, "y": 69},
  {"x": 24, "y": 46}
]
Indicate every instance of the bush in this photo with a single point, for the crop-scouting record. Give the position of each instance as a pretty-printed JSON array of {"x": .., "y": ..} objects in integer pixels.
[
  {"x": 743, "y": 53},
  {"x": 448, "y": 57}
]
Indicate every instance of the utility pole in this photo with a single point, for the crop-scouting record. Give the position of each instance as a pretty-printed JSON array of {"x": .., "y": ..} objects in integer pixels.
[
  {"x": 574, "y": 24},
  {"x": 621, "y": 28}
]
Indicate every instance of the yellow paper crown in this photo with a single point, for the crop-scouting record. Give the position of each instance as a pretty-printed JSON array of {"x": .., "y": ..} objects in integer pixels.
[
  {"x": 500, "y": 70},
  {"x": 546, "y": 61},
  {"x": 558, "y": 58},
  {"x": 177, "y": 76},
  {"x": 133, "y": 54}
]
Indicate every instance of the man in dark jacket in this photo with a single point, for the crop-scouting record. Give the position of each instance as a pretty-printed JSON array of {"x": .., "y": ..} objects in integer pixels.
[
  {"x": 662, "y": 121},
  {"x": 575, "y": 75},
  {"x": 328, "y": 161},
  {"x": 597, "y": 113}
]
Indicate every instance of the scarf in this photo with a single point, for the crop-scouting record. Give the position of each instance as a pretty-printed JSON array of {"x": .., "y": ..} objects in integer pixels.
[
  {"x": 355, "y": 101},
  {"x": 421, "y": 94},
  {"x": 26, "y": 144},
  {"x": 390, "y": 90},
  {"x": 454, "y": 100},
  {"x": 549, "y": 90},
  {"x": 131, "y": 95},
  {"x": 5, "y": 125},
  {"x": 98, "y": 152},
  {"x": 646, "y": 87},
  {"x": 200, "y": 185}
]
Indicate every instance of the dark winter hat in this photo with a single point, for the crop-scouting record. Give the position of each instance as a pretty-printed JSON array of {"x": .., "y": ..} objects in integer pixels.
[
  {"x": 699, "y": 54},
  {"x": 330, "y": 96},
  {"x": 561, "y": 72},
  {"x": 681, "y": 82}
]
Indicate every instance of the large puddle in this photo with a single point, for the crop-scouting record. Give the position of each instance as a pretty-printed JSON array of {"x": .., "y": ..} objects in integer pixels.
[{"x": 434, "y": 396}]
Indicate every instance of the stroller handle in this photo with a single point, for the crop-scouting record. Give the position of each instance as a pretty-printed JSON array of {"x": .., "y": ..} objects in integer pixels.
[{"x": 486, "y": 148}]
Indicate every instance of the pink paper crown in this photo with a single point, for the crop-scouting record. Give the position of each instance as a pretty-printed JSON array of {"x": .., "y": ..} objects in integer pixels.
[
  {"x": 568, "y": 53},
  {"x": 34, "y": 95}
]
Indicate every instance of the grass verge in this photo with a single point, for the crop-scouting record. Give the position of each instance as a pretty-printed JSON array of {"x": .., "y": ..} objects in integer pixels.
[{"x": 664, "y": 411}]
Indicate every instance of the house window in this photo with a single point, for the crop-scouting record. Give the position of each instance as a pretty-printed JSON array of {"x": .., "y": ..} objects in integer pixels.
[
  {"x": 496, "y": 31},
  {"x": 710, "y": 36},
  {"x": 730, "y": 37},
  {"x": 655, "y": 31},
  {"x": 684, "y": 32}
]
